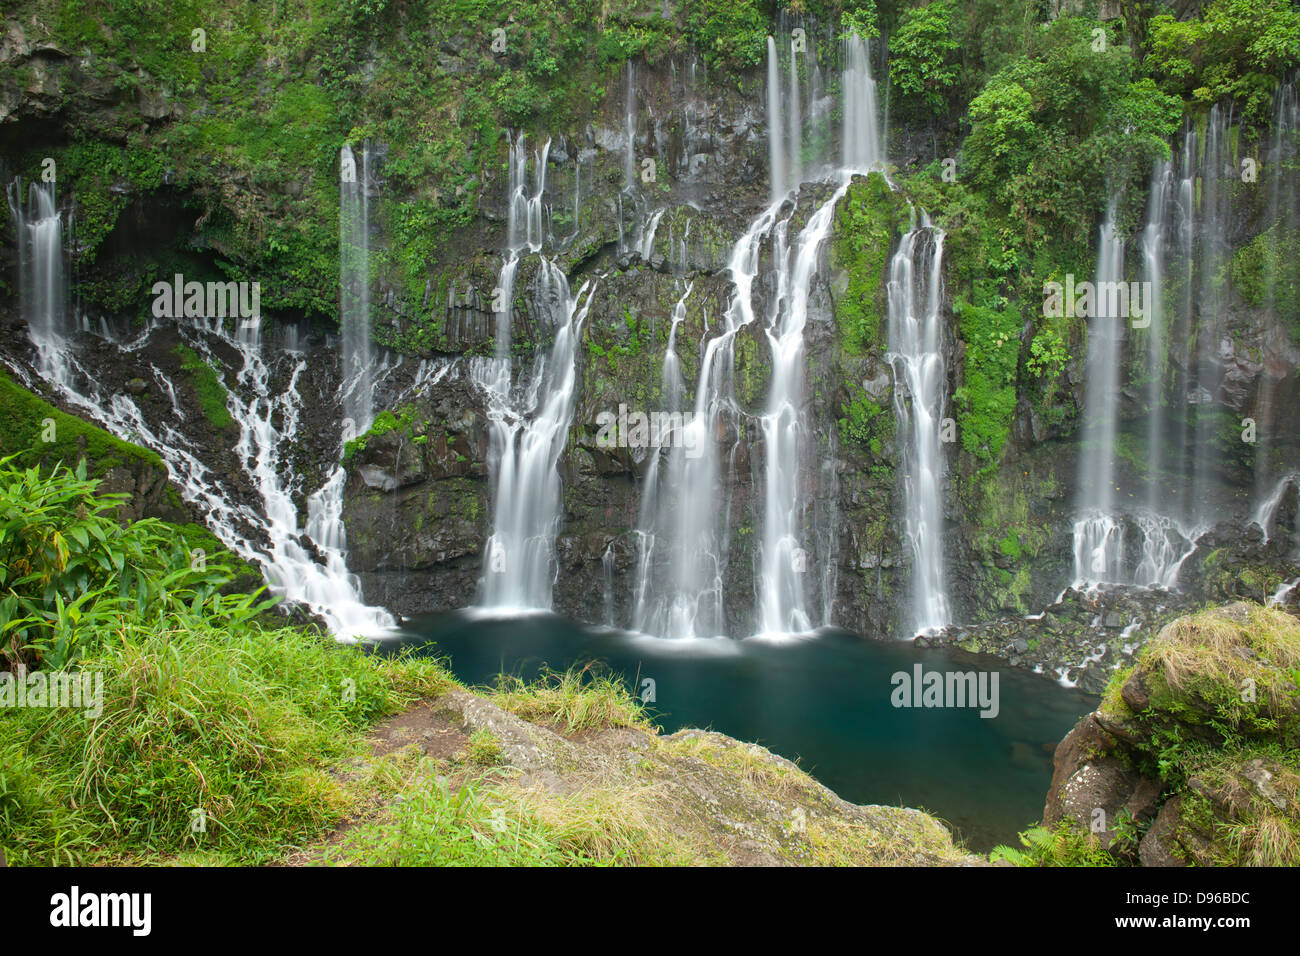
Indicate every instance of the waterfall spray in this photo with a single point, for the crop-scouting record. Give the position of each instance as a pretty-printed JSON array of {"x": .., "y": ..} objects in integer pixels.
[
  {"x": 1098, "y": 535},
  {"x": 42, "y": 276},
  {"x": 915, "y": 352},
  {"x": 354, "y": 290}
]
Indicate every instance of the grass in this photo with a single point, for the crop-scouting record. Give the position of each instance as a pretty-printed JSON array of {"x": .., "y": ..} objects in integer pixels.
[
  {"x": 208, "y": 387},
  {"x": 436, "y": 826},
  {"x": 237, "y": 731},
  {"x": 484, "y": 749},
  {"x": 577, "y": 700},
  {"x": 1215, "y": 649},
  {"x": 1219, "y": 731},
  {"x": 30, "y": 420}
]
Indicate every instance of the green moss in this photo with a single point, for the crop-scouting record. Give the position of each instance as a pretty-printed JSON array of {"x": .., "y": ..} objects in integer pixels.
[
  {"x": 208, "y": 387},
  {"x": 29, "y": 419},
  {"x": 866, "y": 221},
  {"x": 1010, "y": 546},
  {"x": 1266, "y": 271},
  {"x": 986, "y": 402}
]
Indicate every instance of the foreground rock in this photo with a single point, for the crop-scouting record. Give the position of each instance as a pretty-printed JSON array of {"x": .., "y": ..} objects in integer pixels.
[
  {"x": 695, "y": 796},
  {"x": 1192, "y": 757}
]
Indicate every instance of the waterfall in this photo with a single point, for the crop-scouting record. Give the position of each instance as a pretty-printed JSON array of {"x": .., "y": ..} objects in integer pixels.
[
  {"x": 1216, "y": 178},
  {"x": 795, "y": 133},
  {"x": 862, "y": 149},
  {"x": 1098, "y": 533},
  {"x": 1166, "y": 541},
  {"x": 354, "y": 290},
  {"x": 1266, "y": 512},
  {"x": 783, "y": 560},
  {"x": 776, "y": 151},
  {"x": 1283, "y": 218},
  {"x": 683, "y": 535},
  {"x": 915, "y": 352},
  {"x": 685, "y": 524},
  {"x": 526, "y": 442},
  {"x": 629, "y": 124},
  {"x": 255, "y": 406},
  {"x": 660, "y": 611},
  {"x": 42, "y": 277},
  {"x": 1153, "y": 262},
  {"x": 528, "y": 425}
]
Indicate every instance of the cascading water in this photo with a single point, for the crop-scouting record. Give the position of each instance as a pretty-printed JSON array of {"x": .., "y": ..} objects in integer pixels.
[
  {"x": 776, "y": 148},
  {"x": 1166, "y": 541},
  {"x": 1266, "y": 513},
  {"x": 862, "y": 149},
  {"x": 268, "y": 536},
  {"x": 526, "y": 443},
  {"x": 354, "y": 291},
  {"x": 528, "y": 426},
  {"x": 915, "y": 352},
  {"x": 1216, "y": 177},
  {"x": 42, "y": 283},
  {"x": 783, "y": 560},
  {"x": 1098, "y": 533},
  {"x": 683, "y": 538},
  {"x": 685, "y": 523},
  {"x": 1283, "y": 219}
]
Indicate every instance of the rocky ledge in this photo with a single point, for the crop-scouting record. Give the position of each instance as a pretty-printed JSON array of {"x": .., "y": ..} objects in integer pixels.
[
  {"x": 1193, "y": 757},
  {"x": 693, "y": 797}
]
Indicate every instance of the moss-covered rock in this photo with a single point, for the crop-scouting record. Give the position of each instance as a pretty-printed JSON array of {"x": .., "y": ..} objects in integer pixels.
[{"x": 1197, "y": 746}]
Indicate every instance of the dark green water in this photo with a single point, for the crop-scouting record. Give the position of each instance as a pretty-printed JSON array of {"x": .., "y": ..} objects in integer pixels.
[{"x": 824, "y": 701}]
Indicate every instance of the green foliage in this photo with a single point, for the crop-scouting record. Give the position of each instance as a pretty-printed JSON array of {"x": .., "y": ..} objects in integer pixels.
[
  {"x": 1266, "y": 272},
  {"x": 923, "y": 62},
  {"x": 71, "y": 573},
  {"x": 236, "y": 721},
  {"x": 866, "y": 221},
  {"x": 1063, "y": 125},
  {"x": 385, "y": 422},
  {"x": 986, "y": 402},
  {"x": 1047, "y": 354},
  {"x": 865, "y": 423},
  {"x": 1064, "y": 846},
  {"x": 208, "y": 387},
  {"x": 28, "y": 420},
  {"x": 730, "y": 32},
  {"x": 1235, "y": 48}
]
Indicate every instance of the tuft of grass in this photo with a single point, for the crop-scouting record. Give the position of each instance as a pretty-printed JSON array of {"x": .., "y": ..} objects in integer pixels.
[
  {"x": 437, "y": 826},
  {"x": 208, "y": 387},
  {"x": 484, "y": 749},
  {"x": 579, "y": 699},
  {"x": 210, "y": 741},
  {"x": 616, "y": 822},
  {"x": 1226, "y": 646}
]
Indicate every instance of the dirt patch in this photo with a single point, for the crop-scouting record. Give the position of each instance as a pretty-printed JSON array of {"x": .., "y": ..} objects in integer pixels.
[{"x": 433, "y": 731}]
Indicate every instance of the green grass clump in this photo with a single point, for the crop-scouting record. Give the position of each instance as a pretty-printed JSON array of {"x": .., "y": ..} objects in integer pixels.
[
  {"x": 208, "y": 387},
  {"x": 579, "y": 699},
  {"x": 204, "y": 732},
  {"x": 436, "y": 826},
  {"x": 209, "y": 739}
]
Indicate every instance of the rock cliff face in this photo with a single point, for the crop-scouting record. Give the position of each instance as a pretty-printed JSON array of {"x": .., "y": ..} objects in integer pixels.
[{"x": 642, "y": 216}]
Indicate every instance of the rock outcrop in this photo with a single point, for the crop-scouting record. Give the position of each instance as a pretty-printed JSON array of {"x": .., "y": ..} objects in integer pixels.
[{"x": 1192, "y": 757}]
